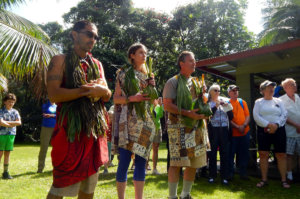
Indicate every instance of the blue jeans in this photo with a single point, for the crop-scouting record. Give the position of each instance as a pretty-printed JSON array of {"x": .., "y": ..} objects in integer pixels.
[{"x": 240, "y": 147}]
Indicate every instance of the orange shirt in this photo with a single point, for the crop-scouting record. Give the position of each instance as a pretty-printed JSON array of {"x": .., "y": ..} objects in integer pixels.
[{"x": 239, "y": 117}]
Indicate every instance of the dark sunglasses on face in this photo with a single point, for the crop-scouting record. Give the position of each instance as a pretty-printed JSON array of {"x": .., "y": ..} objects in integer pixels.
[
  {"x": 235, "y": 90},
  {"x": 217, "y": 90},
  {"x": 90, "y": 35}
]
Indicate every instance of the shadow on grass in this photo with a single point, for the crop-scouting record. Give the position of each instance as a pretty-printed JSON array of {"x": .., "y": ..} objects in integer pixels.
[
  {"x": 42, "y": 175},
  {"x": 24, "y": 174},
  {"x": 34, "y": 174}
]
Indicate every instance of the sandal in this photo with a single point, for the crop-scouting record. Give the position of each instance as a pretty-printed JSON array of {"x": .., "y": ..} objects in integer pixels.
[
  {"x": 285, "y": 185},
  {"x": 261, "y": 184}
]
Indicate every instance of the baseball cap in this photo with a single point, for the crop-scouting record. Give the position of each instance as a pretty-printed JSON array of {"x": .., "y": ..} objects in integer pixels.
[
  {"x": 231, "y": 87},
  {"x": 266, "y": 83}
]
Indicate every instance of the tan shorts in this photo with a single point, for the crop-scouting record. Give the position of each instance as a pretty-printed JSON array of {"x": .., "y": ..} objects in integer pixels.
[
  {"x": 158, "y": 136},
  {"x": 86, "y": 186}
]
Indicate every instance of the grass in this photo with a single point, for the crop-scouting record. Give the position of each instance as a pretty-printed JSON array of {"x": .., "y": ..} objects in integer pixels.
[{"x": 27, "y": 184}]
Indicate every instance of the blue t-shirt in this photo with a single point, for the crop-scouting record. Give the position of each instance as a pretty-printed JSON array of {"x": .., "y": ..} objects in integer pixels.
[
  {"x": 49, "y": 108},
  {"x": 9, "y": 115}
]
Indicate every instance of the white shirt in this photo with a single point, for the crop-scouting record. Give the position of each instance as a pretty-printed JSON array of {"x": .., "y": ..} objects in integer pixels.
[
  {"x": 269, "y": 111},
  {"x": 293, "y": 113}
]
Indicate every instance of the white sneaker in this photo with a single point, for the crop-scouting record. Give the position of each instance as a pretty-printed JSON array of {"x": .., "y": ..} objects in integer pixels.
[{"x": 155, "y": 172}]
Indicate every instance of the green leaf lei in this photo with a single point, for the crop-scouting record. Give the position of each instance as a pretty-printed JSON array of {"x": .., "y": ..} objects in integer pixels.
[
  {"x": 185, "y": 101},
  {"x": 83, "y": 114}
]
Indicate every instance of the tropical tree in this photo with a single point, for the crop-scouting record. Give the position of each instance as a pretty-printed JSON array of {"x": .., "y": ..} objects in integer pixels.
[
  {"x": 24, "y": 46},
  {"x": 282, "y": 21}
]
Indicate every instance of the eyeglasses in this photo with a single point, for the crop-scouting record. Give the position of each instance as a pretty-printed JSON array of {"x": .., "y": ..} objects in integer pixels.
[
  {"x": 235, "y": 90},
  {"x": 217, "y": 91},
  {"x": 90, "y": 35}
]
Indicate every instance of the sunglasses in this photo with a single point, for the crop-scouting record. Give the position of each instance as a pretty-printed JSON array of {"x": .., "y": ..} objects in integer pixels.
[
  {"x": 90, "y": 35},
  {"x": 235, "y": 90},
  {"x": 217, "y": 90}
]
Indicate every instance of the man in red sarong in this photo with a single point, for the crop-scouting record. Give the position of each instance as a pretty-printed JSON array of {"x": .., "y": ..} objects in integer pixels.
[{"x": 76, "y": 83}]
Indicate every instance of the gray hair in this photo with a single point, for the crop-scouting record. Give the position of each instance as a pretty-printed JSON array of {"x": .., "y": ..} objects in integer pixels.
[
  {"x": 213, "y": 87},
  {"x": 286, "y": 81}
]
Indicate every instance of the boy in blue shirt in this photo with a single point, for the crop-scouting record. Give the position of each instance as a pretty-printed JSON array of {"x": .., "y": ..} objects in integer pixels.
[{"x": 9, "y": 119}]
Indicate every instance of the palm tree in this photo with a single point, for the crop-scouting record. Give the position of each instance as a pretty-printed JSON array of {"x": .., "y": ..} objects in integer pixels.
[
  {"x": 282, "y": 22},
  {"x": 24, "y": 47}
]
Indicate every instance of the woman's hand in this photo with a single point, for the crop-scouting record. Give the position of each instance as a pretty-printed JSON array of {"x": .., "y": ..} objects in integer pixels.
[
  {"x": 151, "y": 81},
  {"x": 139, "y": 97},
  {"x": 218, "y": 103},
  {"x": 273, "y": 128}
]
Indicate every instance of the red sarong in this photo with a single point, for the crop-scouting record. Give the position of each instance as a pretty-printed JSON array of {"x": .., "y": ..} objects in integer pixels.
[{"x": 74, "y": 162}]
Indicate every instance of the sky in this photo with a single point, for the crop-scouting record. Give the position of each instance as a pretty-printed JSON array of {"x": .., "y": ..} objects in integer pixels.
[{"x": 44, "y": 11}]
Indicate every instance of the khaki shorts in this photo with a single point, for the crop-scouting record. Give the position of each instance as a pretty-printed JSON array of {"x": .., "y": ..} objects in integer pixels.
[
  {"x": 158, "y": 136},
  {"x": 86, "y": 186}
]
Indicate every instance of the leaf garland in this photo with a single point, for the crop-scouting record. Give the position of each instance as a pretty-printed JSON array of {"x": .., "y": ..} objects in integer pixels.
[
  {"x": 132, "y": 87},
  {"x": 185, "y": 100},
  {"x": 83, "y": 114}
]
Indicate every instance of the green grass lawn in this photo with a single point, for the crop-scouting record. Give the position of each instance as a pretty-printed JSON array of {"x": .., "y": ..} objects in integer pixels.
[{"x": 27, "y": 184}]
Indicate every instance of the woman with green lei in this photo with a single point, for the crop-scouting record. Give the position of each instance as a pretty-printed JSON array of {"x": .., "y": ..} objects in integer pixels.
[{"x": 134, "y": 128}]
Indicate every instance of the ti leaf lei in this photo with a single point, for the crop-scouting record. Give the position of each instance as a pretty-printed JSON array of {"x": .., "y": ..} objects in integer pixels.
[{"x": 83, "y": 114}]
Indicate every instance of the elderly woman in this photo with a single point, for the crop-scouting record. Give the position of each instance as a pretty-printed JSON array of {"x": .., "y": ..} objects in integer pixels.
[
  {"x": 218, "y": 132},
  {"x": 270, "y": 116}
]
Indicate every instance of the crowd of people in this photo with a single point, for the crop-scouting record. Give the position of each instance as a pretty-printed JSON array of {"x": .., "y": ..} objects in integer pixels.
[{"x": 85, "y": 136}]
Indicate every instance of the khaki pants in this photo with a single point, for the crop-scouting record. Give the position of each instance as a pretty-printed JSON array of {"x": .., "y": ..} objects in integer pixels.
[{"x": 46, "y": 134}]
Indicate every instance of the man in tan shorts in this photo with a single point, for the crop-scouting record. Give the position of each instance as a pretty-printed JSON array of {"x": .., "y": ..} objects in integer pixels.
[
  {"x": 76, "y": 83},
  {"x": 187, "y": 145}
]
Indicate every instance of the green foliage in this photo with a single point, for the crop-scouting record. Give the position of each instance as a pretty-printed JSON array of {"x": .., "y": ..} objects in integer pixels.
[
  {"x": 184, "y": 100},
  {"x": 24, "y": 48},
  {"x": 55, "y": 32},
  {"x": 4, "y": 4},
  {"x": 282, "y": 21},
  {"x": 150, "y": 90},
  {"x": 23, "y": 45},
  {"x": 207, "y": 28},
  {"x": 132, "y": 87}
]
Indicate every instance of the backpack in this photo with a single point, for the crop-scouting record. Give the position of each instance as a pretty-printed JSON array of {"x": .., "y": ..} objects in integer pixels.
[{"x": 240, "y": 101}]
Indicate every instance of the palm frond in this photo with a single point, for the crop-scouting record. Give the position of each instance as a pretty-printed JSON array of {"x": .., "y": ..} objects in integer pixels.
[
  {"x": 282, "y": 23},
  {"x": 22, "y": 51},
  {"x": 4, "y": 4},
  {"x": 19, "y": 23},
  {"x": 3, "y": 83}
]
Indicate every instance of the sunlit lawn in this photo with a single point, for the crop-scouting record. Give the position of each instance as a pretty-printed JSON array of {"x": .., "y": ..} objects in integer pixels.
[{"x": 28, "y": 184}]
